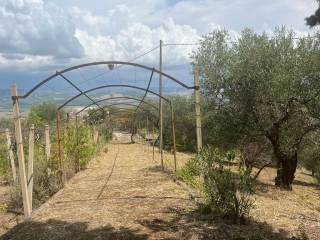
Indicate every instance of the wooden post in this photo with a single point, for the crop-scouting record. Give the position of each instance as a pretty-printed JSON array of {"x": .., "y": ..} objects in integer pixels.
[
  {"x": 160, "y": 108},
  {"x": 59, "y": 140},
  {"x": 144, "y": 139},
  {"x": 47, "y": 141},
  {"x": 138, "y": 131},
  {"x": 20, "y": 153},
  {"x": 11, "y": 157},
  {"x": 95, "y": 135},
  {"x": 77, "y": 130},
  {"x": 30, "y": 165},
  {"x": 173, "y": 138},
  {"x": 152, "y": 143},
  {"x": 197, "y": 108},
  {"x": 147, "y": 131},
  {"x": 77, "y": 142}
]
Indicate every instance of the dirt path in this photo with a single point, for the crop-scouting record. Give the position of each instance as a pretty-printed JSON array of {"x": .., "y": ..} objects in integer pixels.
[{"x": 122, "y": 195}]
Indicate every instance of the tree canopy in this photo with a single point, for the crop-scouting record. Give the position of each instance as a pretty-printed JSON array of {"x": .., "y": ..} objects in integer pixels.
[
  {"x": 263, "y": 86},
  {"x": 314, "y": 19}
]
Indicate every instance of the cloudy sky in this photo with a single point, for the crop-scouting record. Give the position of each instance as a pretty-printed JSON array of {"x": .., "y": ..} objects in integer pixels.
[{"x": 38, "y": 37}]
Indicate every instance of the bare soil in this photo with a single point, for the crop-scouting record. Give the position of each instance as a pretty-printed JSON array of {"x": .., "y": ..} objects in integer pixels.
[{"x": 124, "y": 194}]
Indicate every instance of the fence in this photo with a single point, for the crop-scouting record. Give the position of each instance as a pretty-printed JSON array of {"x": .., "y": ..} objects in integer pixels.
[{"x": 43, "y": 171}]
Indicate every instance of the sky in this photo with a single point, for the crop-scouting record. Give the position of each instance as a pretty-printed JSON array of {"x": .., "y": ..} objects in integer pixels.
[{"x": 38, "y": 37}]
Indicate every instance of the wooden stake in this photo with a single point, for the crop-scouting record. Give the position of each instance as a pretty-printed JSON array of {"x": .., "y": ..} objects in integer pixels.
[
  {"x": 11, "y": 157},
  {"x": 147, "y": 131},
  {"x": 160, "y": 108},
  {"x": 152, "y": 143},
  {"x": 47, "y": 140},
  {"x": 59, "y": 140},
  {"x": 30, "y": 164},
  {"x": 77, "y": 141},
  {"x": 197, "y": 108},
  {"x": 95, "y": 135},
  {"x": 20, "y": 153},
  {"x": 173, "y": 138}
]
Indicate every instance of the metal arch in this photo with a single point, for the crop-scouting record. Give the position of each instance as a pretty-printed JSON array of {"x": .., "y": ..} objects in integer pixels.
[
  {"x": 108, "y": 86},
  {"x": 123, "y": 97},
  {"x": 126, "y": 110},
  {"x": 122, "y": 108},
  {"x": 115, "y": 104},
  {"x": 118, "y": 109},
  {"x": 105, "y": 63},
  {"x": 78, "y": 89},
  {"x": 146, "y": 92},
  {"x": 106, "y": 106}
]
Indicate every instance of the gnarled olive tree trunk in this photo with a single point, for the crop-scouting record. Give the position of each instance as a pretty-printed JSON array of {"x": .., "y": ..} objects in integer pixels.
[
  {"x": 286, "y": 171},
  {"x": 287, "y": 163}
]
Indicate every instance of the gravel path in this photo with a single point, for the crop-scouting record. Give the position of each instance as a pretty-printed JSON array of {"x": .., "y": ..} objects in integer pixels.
[{"x": 122, "y": 195}]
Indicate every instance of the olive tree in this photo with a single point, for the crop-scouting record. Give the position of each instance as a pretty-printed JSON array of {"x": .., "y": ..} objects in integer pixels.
[
  {"x": 314, "y": 19},
  {"x": 263, "y": 86}
]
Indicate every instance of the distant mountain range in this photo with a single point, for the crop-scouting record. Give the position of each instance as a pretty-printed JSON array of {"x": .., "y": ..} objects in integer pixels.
[
  {"x": 58, "y": 90},
  {"x": 60, "y": 97}
]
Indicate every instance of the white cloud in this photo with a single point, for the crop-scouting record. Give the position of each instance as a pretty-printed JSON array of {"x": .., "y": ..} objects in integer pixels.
[
  {"x": 119, "y": 36},
  {"x": 98, "y": 47},
  {"x": 238, "y": 14},
  {"x": 24, "y": 62},
  {"x": 39, "y": 33},
  {"x": 33, "y": 27}
]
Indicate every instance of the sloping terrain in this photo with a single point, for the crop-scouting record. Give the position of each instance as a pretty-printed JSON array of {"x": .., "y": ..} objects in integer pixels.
[{"x": 123, "y": 194}]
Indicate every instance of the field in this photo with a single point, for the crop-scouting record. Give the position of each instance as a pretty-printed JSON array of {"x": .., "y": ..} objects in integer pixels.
[{"x": 127, "y": 196}]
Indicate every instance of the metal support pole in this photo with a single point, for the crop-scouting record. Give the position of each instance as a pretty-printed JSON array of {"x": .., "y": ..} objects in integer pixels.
[
  {"x": 30, "y": 164},
  {"x": 173, "y": 138},
  {"x": 197, "y": 108},
  {"x": 47, "y": 141},
  {"x": 20, "y": 153},
  {"x": 160, "y": 107},
  {"x": 11, "y": 156}
]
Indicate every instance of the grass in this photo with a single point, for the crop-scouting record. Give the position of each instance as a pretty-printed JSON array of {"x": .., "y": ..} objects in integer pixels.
[{"x": 296, "y": 212}]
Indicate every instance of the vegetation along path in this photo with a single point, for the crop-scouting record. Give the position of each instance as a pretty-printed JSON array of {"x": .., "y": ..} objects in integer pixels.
[{"x": 122, "y": 195}]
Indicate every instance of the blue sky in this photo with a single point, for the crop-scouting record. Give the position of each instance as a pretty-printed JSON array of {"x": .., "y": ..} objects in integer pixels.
[{"x": 38, "y": 37}]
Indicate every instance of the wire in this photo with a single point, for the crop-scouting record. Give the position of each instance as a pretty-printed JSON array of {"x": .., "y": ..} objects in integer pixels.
[
  {"x": 180, "y": 44},
  {"x": 119, "y": 66}
]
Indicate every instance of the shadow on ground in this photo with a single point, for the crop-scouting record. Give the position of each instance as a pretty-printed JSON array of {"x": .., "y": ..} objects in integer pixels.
[
  {"x": 263, "y": 187},
  {"x": 184, "y": 225},
  {"x": 157, "y": 169},
  {"x": 305, "y": 184},
  {"x": 61, "y": 230},
  {"x": 192, "y": 225}
]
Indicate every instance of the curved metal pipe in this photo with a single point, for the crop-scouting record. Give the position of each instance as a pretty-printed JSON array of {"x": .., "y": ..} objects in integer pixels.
[
  {"x": 125, "y": 110},
  {"x": 105, "y": 63},
  {"x": 124, "y": 97},
  {"x": 108, "y": 86}
]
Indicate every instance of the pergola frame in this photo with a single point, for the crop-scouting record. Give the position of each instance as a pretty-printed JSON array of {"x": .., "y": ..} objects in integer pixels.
[
  {"x": 60, "y": 73},
  {"x": 17, "y": 116},
  {"x": 126, "y": 86}
]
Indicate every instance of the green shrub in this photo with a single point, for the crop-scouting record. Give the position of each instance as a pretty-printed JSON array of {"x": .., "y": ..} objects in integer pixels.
[
  {"x": 190, "y": 173},
  {"x": 4, "y": 160},
  {"x": 79, "y": 146},
  {"x": 227, "y": 193}
]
